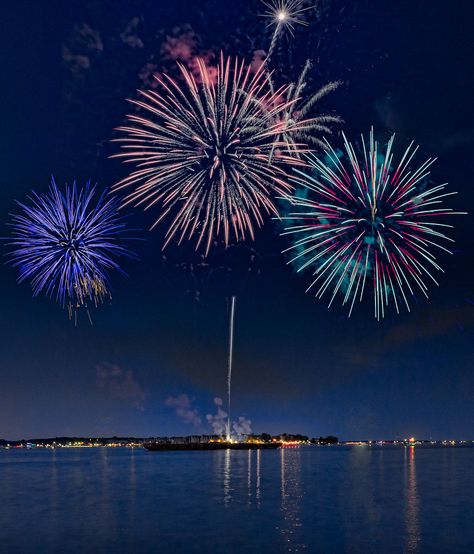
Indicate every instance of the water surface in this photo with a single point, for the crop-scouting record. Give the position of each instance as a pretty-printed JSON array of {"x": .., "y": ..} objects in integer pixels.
[{"x": 314, "y": 499}]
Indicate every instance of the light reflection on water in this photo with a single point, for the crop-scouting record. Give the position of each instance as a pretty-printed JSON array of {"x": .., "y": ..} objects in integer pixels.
[
  {"x": 310, "y": 499},
  {"x": 358, "y": 492},
  {"x": 257, "y": 486},
  {"x": 291, "y": 499},
  {"x": 249, "y": 476},
  {"x": 226, "y": 476},
  {"x": 412, "y": 503}
]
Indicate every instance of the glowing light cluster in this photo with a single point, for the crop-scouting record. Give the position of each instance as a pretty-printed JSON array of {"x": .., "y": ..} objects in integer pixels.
[
  {"x": 283, "y": 15},
  {"x": 363, "y": 221}
]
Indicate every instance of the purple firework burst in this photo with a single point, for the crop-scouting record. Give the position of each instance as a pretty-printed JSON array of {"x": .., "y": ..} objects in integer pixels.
[{"x": 65, "y": 244}]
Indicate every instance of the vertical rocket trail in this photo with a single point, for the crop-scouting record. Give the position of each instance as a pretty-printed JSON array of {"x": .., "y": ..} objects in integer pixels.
[{"x": 229, "y": 363}]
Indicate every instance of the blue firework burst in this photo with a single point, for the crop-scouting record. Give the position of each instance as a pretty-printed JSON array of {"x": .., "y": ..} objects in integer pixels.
[{"x": 66, "y": 244}]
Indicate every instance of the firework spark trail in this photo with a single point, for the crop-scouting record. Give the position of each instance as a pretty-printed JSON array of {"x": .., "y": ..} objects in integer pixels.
[
  {"x": 229, "y": 363},
  {"x": 367, "y": 218},
  {"x": 203, "y": 152},
  {"x": 297, "y": 127},
  {"x": 66, "y": 244},
  {"x": 283, "y": 15}
]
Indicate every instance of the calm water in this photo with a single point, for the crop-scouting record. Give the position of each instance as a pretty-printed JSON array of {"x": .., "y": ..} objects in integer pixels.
[{"x": 337, "y": 499}]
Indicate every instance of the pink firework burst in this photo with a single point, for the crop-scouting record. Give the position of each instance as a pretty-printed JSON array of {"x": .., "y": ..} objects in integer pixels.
[{"x": 203, "y": 151}]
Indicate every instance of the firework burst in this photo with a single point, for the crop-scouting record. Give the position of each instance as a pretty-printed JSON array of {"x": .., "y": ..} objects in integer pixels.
[
  {"x": 304, "y": 128},
  {"x": 66, "y": 244},
  {"x": 202, "y": 152},
  {"x": 283, "y": 15},
  {"x": 366, "y": 221}
]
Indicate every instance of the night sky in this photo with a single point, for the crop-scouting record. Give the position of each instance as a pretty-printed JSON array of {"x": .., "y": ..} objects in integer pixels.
[{"x": 155, "y": 358}]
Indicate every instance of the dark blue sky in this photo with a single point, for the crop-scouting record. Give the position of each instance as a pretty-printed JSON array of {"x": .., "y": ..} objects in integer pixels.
[{"x": 299, "y": 367}]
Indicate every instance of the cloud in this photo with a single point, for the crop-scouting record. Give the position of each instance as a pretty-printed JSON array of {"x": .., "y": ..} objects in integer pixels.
[
  {"x": 388, "y": 113},
  {"x": 82, "y": 46},
  {"x": 147, "y": 75},
  {"x": 456, "y": 140},
  {"x": 120, "y": 384},
  {"x": 431, "y": 325},
  {"x": 438, "y": 323},
  {"x": 183, "y": 46},
  {"x": 258, "y": 60},
  {"x": 184, "y": 410},
  {"x": 130, "y": 35}
]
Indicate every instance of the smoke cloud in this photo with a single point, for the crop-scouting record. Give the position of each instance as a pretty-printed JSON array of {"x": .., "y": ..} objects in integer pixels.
[
  {"x": 120, "y": 383},
  {"x": 183, "y": 46},
  {"x": 183, "y": 406},
  {"x": 242, "y": 427},
  {"x": 218, "y": 421},
  {"x": 184, "y": 410}
]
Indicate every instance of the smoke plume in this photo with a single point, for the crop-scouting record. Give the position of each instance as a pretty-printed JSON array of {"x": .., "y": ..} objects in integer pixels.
[{"x": 184, "y": 410}]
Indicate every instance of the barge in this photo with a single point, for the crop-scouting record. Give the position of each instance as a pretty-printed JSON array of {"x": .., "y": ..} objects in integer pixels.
[{"x": 164, "y": 446}]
